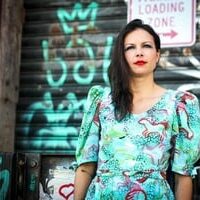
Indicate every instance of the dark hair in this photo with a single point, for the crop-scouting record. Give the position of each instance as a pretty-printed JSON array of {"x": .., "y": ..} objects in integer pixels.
[{"x": 118, "y": 71}]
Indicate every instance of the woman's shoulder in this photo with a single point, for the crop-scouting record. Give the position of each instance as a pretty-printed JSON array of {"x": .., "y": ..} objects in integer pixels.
[
  {"x": 99, "y": 91},
  {"x": 183, "y": 97},
  {"x": 96, "y": 95}
]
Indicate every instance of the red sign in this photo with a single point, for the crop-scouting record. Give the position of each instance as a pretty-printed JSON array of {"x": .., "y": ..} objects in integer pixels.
[{"x": 173, "y": 20}]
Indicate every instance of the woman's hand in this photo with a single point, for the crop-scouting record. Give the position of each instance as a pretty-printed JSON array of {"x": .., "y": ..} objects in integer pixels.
[
  {"x": 83, "y": 177},
  {"x": 183, "y": 187}
]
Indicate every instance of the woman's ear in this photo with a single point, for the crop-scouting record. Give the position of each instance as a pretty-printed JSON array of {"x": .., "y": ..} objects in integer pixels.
[{"x": 158, "y": 57}]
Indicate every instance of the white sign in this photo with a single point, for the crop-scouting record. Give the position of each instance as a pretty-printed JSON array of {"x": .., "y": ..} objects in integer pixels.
[{"x": 173, "y": 20}]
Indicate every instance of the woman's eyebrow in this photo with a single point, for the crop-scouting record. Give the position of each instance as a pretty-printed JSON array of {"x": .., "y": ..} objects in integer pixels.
[
  {"x": 130, "y": 43},
  {"x": 126, "y": 44}
]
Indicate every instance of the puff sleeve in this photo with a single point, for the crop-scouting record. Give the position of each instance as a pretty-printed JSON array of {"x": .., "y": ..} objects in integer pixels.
[
  {"x": 88, "y": 140},
  {"x": 187, "y": 133}
]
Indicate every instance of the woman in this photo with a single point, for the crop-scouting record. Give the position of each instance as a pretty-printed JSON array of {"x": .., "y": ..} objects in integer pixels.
[{"x": 132, "y": 130}]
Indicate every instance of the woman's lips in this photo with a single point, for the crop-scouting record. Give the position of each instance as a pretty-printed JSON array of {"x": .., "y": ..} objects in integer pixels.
[{"x": 140, "y": 62}]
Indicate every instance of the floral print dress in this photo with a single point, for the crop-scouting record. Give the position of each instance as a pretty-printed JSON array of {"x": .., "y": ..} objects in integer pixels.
[{"x": 133, "y": 155}]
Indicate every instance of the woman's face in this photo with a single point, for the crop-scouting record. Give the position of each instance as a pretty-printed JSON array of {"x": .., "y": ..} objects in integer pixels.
[{"x": 140, "y": 52}]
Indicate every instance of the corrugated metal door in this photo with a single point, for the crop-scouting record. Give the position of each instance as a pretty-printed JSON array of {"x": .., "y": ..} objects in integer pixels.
[{"x": 66, "y": 49}]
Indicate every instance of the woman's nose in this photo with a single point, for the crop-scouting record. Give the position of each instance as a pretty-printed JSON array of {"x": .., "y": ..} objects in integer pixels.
[{"x": 139, "y": 52}]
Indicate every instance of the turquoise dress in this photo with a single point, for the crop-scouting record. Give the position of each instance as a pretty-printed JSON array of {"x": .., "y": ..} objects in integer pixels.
[{"x": 133, "y": 155}]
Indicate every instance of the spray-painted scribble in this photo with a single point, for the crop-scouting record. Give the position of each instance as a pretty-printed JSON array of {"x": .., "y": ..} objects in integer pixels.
[
  {"x": 4, "y": 180},
  {"x": 83, "y": 72},
  {"x": 78, "y": 13},
  {"x": 69, "y": 107},
  {"x": 58, "y": 183}
]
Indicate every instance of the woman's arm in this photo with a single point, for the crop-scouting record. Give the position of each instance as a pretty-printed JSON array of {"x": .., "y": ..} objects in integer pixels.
[
  {"x": 183, "y": 187},
  {"x": 83, "y": 177}
]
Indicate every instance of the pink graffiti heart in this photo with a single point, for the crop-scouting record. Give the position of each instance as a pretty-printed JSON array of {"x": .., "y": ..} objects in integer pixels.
[{"x": 64, "y": 187}]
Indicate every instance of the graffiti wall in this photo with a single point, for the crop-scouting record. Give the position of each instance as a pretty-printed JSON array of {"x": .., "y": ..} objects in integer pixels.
[
  {"x": 6, "y": 175},
  {"x": 66, "y": 48},
  {"x": 57, "y": 178},
  {"x": 32, "y": 176}
]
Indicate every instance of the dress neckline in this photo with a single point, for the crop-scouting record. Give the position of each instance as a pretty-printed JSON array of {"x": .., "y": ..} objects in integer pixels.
[{"x": 154, "y": 105}]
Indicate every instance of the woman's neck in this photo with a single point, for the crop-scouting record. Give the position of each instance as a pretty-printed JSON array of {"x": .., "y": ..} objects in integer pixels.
[
  {"x": 145, "y": 94},
  {"x": 143, "y": 87}
]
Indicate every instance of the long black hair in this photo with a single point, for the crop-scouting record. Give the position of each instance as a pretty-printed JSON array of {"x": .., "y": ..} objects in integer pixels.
[{"x": 119, "y": 70}]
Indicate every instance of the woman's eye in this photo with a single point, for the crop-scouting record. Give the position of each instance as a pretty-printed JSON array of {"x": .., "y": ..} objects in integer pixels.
[
  {"x": 129, "y": 48},
  {"x": 147, "y": 46}
]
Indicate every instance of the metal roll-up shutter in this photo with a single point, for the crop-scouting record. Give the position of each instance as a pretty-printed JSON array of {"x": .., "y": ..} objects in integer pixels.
[{"x": 66, "y": 48}]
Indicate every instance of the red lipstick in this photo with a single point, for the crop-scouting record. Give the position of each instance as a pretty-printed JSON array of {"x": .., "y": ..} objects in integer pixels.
[{"x": 140, "y": 62}]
